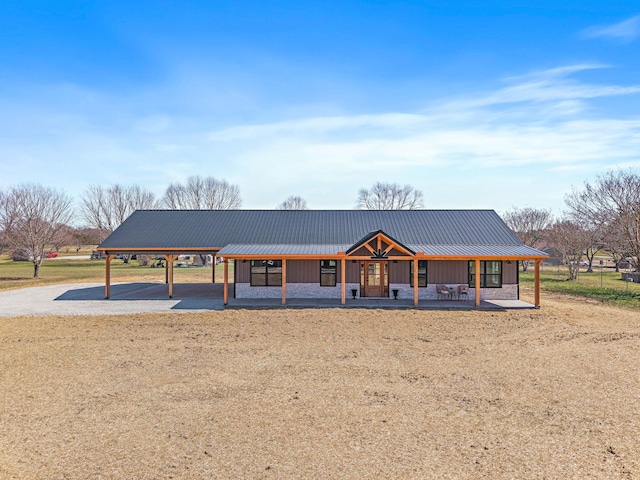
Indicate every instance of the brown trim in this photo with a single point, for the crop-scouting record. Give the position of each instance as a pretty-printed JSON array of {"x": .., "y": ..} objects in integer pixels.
[{"x": 299, "y": 256}]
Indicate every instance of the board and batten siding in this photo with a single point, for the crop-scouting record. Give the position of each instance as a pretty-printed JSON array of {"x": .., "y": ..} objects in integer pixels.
[
  {"x": 298, "y": 271},
  {"x": 438, "y": 271}
]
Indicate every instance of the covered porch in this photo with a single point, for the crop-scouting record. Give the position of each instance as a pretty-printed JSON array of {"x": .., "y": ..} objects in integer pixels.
[{"x": 376, "y": 303}]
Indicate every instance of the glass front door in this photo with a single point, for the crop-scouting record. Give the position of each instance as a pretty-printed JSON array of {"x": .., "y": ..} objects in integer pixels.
[{"x": 374, "y": 279}]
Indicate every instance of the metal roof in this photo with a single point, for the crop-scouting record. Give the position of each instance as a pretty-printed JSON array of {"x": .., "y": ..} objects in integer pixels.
[
  {"x": 478, "y": 250},
  {"x": 215, "y": 229},
  {"x": 279, "y": 249}
]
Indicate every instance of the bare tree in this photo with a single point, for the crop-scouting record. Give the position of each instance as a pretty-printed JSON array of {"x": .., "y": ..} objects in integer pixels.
[
  {"x": 202, "y": 194},
  {"x": 390, "y": 196},
  {"x": 570, "y": 240},
  {"x": 612, "y": 201},
  {"x": 8, "y": 215},
  {"x": 293, "y": 203},
  {"x": 41, "y": 213},
  {"x": 530, "y": 224},
  {"x": 594, "y": 243},
  {"x": 105, "y": 208},
  {"x": 85, "y": 236},
  {"x": 615, "y": 243}
]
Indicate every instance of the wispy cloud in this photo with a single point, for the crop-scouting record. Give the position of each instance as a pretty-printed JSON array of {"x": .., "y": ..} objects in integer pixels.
[
  {"x": 540, "y": 124},
  {"x": 528, "y": 140},
  {"x": 625, "y": 31}
]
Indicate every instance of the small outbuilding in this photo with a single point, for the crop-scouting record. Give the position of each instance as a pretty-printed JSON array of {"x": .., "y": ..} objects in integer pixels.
[{"x": 413, "y": 254}]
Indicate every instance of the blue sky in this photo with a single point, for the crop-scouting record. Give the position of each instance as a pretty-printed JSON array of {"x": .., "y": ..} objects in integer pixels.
[{"x": 481, "y": 105}]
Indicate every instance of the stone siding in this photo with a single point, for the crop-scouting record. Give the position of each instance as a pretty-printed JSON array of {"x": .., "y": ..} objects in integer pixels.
[
  {"x": 507, "y": 292},
  {"x": 314, "y": 290},
  {"x": 294, "y": 290}
]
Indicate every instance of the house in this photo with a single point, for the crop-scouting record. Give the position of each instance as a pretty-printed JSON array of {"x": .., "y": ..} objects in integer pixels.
[{"x": 338, "y": 253}]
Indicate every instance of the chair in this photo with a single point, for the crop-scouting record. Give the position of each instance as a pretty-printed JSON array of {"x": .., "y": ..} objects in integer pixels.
[
  {"x": 443, "y": 292},
  {"x": 463, "y": 290}
]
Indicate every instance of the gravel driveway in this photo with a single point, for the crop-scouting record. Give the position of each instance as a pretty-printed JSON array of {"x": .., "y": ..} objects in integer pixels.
[{"x": 126, "y": 298}]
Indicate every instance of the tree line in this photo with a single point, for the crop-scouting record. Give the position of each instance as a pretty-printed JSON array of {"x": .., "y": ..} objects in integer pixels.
[
  {"x": 34, "y": 218},
  {"x": 602, "y": 216}
]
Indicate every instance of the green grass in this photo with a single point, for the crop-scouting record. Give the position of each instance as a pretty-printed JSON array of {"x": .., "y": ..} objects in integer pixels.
[
  {"x": 20, "y": 274},
  {"x": 606, "y": 287}
]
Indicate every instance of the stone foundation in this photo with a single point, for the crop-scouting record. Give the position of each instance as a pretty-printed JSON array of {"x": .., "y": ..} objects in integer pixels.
[
  {"x": 295, "y": 290},
  {"x": 507, "y": 292},
  {"x": 314, "y": 290}
]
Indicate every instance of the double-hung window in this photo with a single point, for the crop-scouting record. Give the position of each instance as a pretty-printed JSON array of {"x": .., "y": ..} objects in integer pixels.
[
  {"x": 422, "y": 273},
  {"x": 328, "y": 273},
  {"x": 490, "y": 274},
  {"x": 266, "y": 273}
]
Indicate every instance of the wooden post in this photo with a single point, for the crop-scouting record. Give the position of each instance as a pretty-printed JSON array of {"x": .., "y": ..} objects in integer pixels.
[
  {"x": 284, "y": 281},
  {"x": 537, "y": 283},
  {"x": 166, "y": 269},
  {"x": 343, "y": 280},
  {"x": 213, "y": 267},
  {"x": 170, "y": 265},
  {"x": 477, "y": 285},
  {"x": 415, "y": 281},
  {"x": 225, "y": 288},
  {"x": 107, "y": 280}
]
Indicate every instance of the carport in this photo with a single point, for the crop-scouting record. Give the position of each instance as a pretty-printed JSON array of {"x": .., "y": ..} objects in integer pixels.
[{"x": 169, "y": 255}]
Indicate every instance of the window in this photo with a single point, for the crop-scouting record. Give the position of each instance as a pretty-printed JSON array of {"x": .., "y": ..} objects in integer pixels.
[
  {"x": 490, "y": 274},
  {"x": 422, "y": 273},
  {"x": 266, "y": 273},
  {"x": 328, "y": 269}
]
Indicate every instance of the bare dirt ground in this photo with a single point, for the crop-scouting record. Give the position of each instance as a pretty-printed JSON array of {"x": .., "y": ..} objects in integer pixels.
[{"x": 551, "y": 393}]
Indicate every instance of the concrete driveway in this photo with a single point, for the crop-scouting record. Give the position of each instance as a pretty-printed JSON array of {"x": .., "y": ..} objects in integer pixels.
[{"x": 126, "y": 298}]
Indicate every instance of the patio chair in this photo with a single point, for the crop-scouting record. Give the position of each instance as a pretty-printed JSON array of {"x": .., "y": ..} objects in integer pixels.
[
  {"x": 463, "y": 290},
  {"x": 443, "y": 292}
]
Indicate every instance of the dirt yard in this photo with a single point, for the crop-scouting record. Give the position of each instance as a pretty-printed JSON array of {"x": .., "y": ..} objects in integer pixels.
[{"x": 551, "y": 393}]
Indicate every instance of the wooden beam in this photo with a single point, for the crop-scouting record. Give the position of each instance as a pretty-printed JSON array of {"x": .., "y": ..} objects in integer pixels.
[
  {"x": 537, "y": 283},
  {"x": 107, "y": 279},
  {"x": 343, "y": 280},
  {"x": 477, "y": 285},
  {"x": 166, "y": 269},
  {"x": 225, "y": 288},
  {"x": 415, "y": 281},
  {"x": 369, "y": 247},
  {"x": 170, "y": 265},
  {"x": 284, "y": 281}
]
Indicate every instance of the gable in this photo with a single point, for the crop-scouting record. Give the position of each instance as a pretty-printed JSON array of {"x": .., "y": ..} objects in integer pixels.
[{"x": 379, "y": 245}]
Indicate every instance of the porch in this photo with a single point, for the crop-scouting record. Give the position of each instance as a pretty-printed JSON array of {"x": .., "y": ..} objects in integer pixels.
[{"x": 375, "y": 303}]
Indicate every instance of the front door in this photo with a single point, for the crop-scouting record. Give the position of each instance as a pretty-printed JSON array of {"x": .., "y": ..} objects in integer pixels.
[{"x": 374, "y": 278}]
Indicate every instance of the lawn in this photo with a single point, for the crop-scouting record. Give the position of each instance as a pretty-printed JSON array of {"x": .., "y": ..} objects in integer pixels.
[
  {"x": 549, "y": 393},
  {"x": 62, "y": 270},
  {"x": 605, "y": 286}
]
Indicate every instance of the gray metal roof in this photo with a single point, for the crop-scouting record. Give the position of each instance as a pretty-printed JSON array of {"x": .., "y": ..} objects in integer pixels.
[
  {"x": 478, "y": 250},
  {"x": 279, "y": 249},
  {"x": 213, "y": 229}
]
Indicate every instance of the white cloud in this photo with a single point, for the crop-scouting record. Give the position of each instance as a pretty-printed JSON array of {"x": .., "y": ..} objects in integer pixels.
[
  {"x": 625, "y": 31},
  {"x": 539, "y": 125},
  {"x": 524, "y": 142}
]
